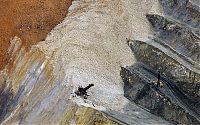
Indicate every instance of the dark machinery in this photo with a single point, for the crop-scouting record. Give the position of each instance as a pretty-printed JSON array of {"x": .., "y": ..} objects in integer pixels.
[{"x": 83, "y": 91}]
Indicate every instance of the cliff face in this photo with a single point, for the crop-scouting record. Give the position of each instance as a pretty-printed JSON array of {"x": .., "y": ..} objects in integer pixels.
[
  {"x": 90, "y": 47},
  {"x": 174, "y": 51}
]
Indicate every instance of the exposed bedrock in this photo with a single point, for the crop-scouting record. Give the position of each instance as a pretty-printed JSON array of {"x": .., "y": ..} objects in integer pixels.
[
  {"x": 187, "y": 11},
  {"x": 31, "y": 94},
  {"x": 86, "y": 116},
  {"x": 174, "y": 50},
  {"x": 182, "y": 39},
  {"x": 6, "y": 95},
  {"x": 171, "y": 65},
  {"x": 88, "y": 47},
  {"x": 38, "y": 95},
  {"x": 164, "y": 102},
  {"x": 166, "y": 60}
]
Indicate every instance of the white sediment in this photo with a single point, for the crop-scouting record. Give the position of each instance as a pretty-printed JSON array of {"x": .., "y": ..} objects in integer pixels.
[{"x": 90, "y": 45}]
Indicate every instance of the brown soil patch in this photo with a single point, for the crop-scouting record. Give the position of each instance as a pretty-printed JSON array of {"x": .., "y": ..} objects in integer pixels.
[{"x": 30, "y": 20}]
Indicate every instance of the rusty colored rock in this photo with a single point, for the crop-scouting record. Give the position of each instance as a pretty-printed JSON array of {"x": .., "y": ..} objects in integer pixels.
[{"x": 29, "y": 20}]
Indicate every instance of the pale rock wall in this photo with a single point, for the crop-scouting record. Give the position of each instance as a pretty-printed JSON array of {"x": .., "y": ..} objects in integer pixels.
[{"x": 89, "y": 46}]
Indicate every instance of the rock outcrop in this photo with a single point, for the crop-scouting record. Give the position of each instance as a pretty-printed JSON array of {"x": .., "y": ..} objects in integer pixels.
[
  {"x": 88, "y": 47},
  {"x": 173, "y": 50},
  {"x": 86, "y": 116}
]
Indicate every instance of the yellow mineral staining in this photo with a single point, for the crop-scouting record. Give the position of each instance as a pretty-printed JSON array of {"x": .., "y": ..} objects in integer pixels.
[
  {"x": 22, "y": 71},
  {"x": 29, "y": 60},
  {"x": 85, "y": 116}
]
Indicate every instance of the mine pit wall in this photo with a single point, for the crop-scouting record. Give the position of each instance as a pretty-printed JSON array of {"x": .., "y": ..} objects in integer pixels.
[
  {"x": 179, "y": 37},
  {"x": 145, "y": 94},
  {"x": 26, "y": 77},
  {"x": 32, "y": 94},
  {"x": 157, "y": 59},
  {"x": 173, "y": 50},
  {"x": 187, "y": 11},
  {"x": 171, "y": 68},
  {"x": 39, "y": 92}
]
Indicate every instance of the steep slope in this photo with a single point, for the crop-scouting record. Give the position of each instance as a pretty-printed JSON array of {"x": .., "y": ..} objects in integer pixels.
[
  {"x": 89, "y": 46},
  {"x": 167, "y": 76}
]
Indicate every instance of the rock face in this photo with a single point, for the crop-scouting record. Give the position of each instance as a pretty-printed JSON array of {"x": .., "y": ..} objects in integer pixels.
[
  {"x": 172, "y": 105},
  {"x": 174, "y": 50},
  {"x": 86, "y": 116},
  {"x": 89, "y": 47},
  {"x": 31, "y": 20}
]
